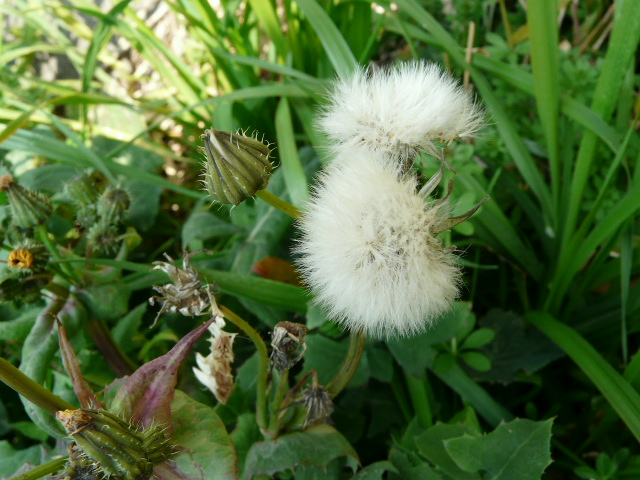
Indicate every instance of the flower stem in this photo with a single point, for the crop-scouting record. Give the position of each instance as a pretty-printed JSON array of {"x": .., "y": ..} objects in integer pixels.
[
  {"x": 107, "y": 346},
  {"x": 31, "y": 390},
  {"x": 418, "y": 393},
  {"x": 283, "y": 385},
  {"x": 263, "y": 365},
  {"x": 280, "y": 204},
  {"x": 44, "y": 469},
  {"x": 350, "y": 365}
]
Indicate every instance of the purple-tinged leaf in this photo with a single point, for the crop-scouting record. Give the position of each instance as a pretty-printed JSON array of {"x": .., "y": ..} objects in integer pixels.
[
  {"x": 72, "y": 366},
  {"x": 147, "y": 395}
]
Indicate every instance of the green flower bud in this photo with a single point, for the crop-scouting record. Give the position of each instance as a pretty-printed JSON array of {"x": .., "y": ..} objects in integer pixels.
[
  {"x": 117, "y": 448},
  {"x": 81, "y": 190},
  {"x": 28, "y": 208},
  {"x": 236, "y": 167},
  {"x": 113, "y": 205},
  {"x": 102, "y": 237}
]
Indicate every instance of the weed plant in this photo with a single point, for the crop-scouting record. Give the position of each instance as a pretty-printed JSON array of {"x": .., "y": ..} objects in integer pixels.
[{"x": 533, "y": 372}]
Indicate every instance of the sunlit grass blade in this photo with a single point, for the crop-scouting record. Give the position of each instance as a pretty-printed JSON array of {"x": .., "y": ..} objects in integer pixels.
[
  {"x": 622, "y": 397},
  {"x": 335, "y": 46},
  {"x": 266, "y": 13},
  {"x": 543, "y": 34},
  {"x": 294, "y": 175}
]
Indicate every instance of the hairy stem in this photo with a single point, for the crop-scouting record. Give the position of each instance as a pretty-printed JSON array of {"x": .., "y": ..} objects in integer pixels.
[
  {"x": 350, "y": 365},
  {"x": 418, "y": 393}
]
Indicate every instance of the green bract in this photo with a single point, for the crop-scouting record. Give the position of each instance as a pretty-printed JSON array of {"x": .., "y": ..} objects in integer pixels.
[{"x": 236, "y": 167}]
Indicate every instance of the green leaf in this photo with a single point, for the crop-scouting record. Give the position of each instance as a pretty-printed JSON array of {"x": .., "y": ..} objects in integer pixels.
[
  {"x": 204, "y": 225},
  {"x": 624, "y": 399},
  {"x": 11, "y": 460},
  {"x": 431, "y": 444},
  {"x": 16, "y": 330},
  {"x": 334, "y": 44},
  {"x": 317, "y": 445},
  {"x": 413, "y": 353},
  {"x": 518, "y": 450},
  {"x": 375, "y": 471},
  {"x": 294, "y": 175},
  {"x": 207, "y": 450},
  {"x": 326, "y": 356},
  {"x": 479, "y": 338},
  {"x": 410, "y": 467},
  {"x": 476, "y": 360}
]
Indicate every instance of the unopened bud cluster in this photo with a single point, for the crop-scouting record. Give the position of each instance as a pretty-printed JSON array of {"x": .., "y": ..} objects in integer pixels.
[{"x": 109, "y": 447}]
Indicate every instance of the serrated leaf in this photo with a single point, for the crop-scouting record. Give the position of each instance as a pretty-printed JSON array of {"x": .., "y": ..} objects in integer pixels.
[
  {"x": 207, "y": 449},
  {"x": 518, "y": 450},
  {"x": 317, "y": 445},
  {"x": 410, "y": 467},
  {"x": 431, "y": 445},
  {"x": 16, "y": 330},
  {"x": 375, "y": 471}
]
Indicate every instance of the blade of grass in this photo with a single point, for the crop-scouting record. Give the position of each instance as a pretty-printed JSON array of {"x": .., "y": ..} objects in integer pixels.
[
  {"x": 626, "y": 261},
  {"x": 623, "y": 46},
  {"x": 543, "y": 34},
  {"x": 294, "y": 175},
  {"x": 622, "y": 397},
  {"x": 268, "y": 18},
  {"x": 335, "y": 46}
]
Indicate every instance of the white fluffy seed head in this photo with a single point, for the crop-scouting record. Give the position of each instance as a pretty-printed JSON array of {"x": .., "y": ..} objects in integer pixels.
[
  {"x": 400, "y": 111},
  {"x": 368, "y": 253}
]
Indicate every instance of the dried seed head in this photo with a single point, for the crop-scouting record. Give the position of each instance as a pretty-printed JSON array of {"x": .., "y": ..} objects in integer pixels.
[
  {"x": 318, "y": 404},
  {"x": 185, "y": 295},
  {"x": 288, "y": 344},
  {"x": 28, "y": 208},
  {"x": 236, "y": 166}
]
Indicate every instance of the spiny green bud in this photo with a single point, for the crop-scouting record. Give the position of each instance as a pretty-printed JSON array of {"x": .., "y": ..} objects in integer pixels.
[
  {"x": 113, "y": 205},
  {"x": 81, "y": 190},
  {"x": 236, "y": 167},
  {"x": 79, "y": 466},
  {"x": 86, "y": 216},
  {"x": 28, "y": 208},
  {"x": 102, "y": 237},
  {"x": 117, "y": 448}
]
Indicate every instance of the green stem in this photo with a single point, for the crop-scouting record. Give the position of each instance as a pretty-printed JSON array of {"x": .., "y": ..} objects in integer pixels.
[
  {"x": 43, "y": 235},
  {"x": 418, "y": 393},
  {"x": 277, "y": 202},
  {"x": 44, "y": 469},
  {"x": 283, "y": 386},
  {"x": 350, "y": 365},
  {"x": 622, "y": 397},
  {"x": 32, "y": 391},
  {"x": 107, "y": 346},
  {"x": 263, "y": 366}
]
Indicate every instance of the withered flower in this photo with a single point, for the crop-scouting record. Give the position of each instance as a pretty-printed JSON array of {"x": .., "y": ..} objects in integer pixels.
[
  {"x": 185, "y": 295},
  {"x": 318, "y": 403},
  {"x": 288, "y": 344},
  {"x": 214, "y": 370}
]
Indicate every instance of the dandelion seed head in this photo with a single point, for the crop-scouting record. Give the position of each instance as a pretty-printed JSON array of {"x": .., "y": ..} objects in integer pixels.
[
  {"x": 368, "y": 251},
  {"x": 399, "y": 111}
]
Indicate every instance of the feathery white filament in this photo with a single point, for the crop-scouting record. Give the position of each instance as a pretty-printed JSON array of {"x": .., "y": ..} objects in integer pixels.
[
  {"x": 367, "y": 250},
  {"x": 399, "y": 111}
]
